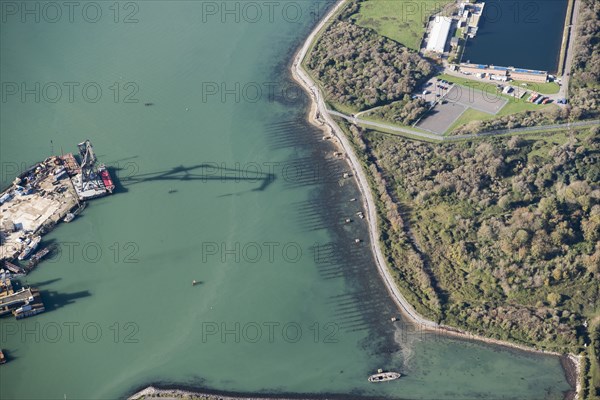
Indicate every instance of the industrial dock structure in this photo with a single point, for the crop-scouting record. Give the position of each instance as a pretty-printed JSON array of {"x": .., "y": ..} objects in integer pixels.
[
  {"x": 22, "y": 303},
  {"x": 45, "y": 194},
  {"x": 49, "y": 192},
  {"x": 42, "y": 196}
]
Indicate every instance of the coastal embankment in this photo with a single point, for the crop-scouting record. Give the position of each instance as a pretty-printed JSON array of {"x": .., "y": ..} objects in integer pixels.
[
  {"x": 320, "y": 117},
  {"x": 155, "y": 393}
]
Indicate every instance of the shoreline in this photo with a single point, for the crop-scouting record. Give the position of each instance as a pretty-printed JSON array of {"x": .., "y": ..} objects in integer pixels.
[
  {"x": 152, "y": 392},
  {"x": 319, "y": 117}
]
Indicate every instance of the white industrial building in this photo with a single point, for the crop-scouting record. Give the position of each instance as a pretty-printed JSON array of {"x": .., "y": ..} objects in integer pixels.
[{"x": 439, "y": 34}]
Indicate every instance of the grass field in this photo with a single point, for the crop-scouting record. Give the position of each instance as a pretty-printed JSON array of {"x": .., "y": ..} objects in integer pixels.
[
  {"x": 543, "y": 88},
  {"x": 343, "y": 108},
  {"x": 468, "y": 116},
  {"x": 512, "y": 107},
  {"x": 399, "y": 20}
]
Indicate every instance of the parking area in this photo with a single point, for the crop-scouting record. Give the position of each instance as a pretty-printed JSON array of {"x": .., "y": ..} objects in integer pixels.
[
  {"x": 449, "y": 101},
  {"x": 439, "y": 119},
  {"x": 477, "y": 99},
  {"x": 433, "y": 90}
]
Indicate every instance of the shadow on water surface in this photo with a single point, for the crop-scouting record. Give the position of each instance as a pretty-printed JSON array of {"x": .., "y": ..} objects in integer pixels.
[
  {"x": 9, "y": 355},
  {"x": 206, "y": 172},
  {"x": 44, "y": 283},
  {"x": 54, "y": 300},
  {"x": 365, "y": 305},
  {"x": 198, "y": 385}
]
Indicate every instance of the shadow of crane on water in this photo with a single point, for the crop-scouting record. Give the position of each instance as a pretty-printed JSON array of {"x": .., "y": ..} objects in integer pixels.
[{"x": 206, "y": 172}]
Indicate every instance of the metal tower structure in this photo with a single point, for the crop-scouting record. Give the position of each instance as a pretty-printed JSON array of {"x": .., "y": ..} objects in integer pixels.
[{"x": 88, "y": 160}]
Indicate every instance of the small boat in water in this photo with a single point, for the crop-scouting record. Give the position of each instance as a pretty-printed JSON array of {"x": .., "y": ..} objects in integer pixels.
[
  {"x": 30, "y": 248},
  {"x": 71, "y": 215},
  {"x": 37, "y": 257},
  {"x": 2, "y": 357},
  {"x": 381, "y": 376},
  {"x": 15, "y": 269},
  {"x": 106, "y": 178},
  {"x": 29, "y": 310}
]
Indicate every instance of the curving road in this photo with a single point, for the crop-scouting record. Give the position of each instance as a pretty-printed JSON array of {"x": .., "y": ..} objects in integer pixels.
[
  {"x": 320, "y": 116},
  {"x": 441, "y": 138},
  {"x": 323, "y": 117},
  {"x": 564, "y": 87}
]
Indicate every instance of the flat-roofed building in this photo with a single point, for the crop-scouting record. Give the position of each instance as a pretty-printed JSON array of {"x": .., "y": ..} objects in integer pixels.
[
  {"x": 474, "y": 21},
  {"x": 501, "y": 73},
  {"x": 439, "y": 34},
  {"x": 472, "y": 68},
  {"x": 483, "y": 69},
  {"x": 528, "y": 75},
  {"x": 491, "y": 70},
  {"x": 494, "y": 70}
]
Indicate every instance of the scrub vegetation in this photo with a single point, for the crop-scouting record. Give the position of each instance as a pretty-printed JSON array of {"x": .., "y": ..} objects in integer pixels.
[
  {"x": 585, "y": 74},
  {"x": 360, "y": 69},
  {"x": 498, "y": 237},
  {"x": 404, "y": 112}
]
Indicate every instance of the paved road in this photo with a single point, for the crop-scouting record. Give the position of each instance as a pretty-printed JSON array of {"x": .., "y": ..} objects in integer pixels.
[
  {"x": 529, "y": 129},
  {"x": 564, "y": 92},
  {"x": 322, "y": 117},
  {"x": 440, "y": 138},
  {"x": 393, "y": 128},
  {"x": 369, "y": 110}
]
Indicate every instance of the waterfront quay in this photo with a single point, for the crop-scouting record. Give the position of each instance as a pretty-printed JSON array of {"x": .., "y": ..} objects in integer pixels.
[
  {"x": 49, "y": 192},
  {"x": 22, "y": 303}
]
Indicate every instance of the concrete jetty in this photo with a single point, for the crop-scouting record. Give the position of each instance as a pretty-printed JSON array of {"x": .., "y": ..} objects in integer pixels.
[
  {"x": 22, "y": 303},
  {"x": 44, "y": 194}
]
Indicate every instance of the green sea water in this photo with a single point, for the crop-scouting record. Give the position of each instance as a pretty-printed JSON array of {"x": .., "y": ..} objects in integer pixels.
[{"x": 229, "y": 187}]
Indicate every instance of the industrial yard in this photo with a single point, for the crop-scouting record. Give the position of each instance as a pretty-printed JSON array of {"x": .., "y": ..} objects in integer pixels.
[
  {"x": 45, "y": 194},
  {"x": 51, "y": 191}
]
